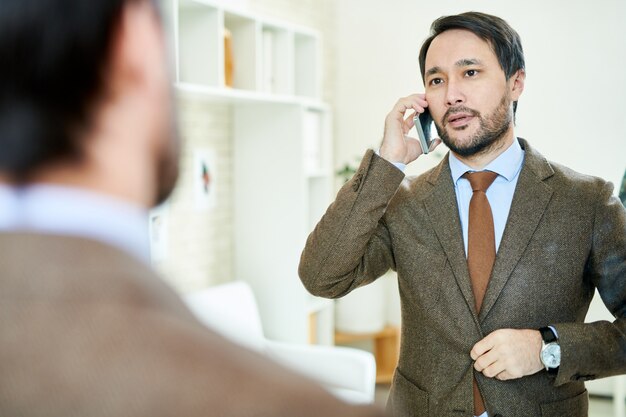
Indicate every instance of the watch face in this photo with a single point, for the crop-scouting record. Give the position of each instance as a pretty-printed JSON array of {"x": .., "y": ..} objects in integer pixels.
[{"x": 551, "y": 355}]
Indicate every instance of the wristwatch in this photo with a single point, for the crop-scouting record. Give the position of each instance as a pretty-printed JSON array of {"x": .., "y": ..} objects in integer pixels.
[{"x": 550, "y": 351}]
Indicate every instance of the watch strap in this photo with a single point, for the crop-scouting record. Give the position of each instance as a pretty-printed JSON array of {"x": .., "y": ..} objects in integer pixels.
[{"x": 547, "y": 335}]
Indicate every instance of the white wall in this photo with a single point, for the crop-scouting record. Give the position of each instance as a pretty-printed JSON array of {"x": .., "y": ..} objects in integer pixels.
[
  {"x": 574, "y": 106},
  {"x": 200, "y": 244}
]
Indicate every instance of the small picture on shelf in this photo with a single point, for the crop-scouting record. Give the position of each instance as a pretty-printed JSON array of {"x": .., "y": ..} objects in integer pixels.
[{"x": 229, "y": 65}]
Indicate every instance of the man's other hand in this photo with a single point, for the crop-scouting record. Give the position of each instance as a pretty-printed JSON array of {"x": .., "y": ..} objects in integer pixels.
[{"x": 508, "y": 354}]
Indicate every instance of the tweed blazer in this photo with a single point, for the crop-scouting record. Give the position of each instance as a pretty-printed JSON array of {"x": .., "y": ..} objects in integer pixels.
[
  {"x": 88, "y": 331},
  {"x": 565, "y": 236}
]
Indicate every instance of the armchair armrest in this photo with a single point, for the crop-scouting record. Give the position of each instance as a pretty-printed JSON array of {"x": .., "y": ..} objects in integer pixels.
[{"x": 347, "y": 372}]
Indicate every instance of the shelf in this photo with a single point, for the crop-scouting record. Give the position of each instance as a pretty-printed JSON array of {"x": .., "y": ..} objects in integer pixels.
[
  {"x": 345, "y": 337},
  {"x": 386, "y": 349},
  {"x": 233, "y": 95},
  {"x": 268, "y": 73},
  {"x": 218, "y": 47}
]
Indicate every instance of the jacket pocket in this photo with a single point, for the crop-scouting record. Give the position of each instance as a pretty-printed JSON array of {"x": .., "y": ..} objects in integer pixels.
[
  {"x": 406, "y": 399},
  {"x": 570, "y": 407}
]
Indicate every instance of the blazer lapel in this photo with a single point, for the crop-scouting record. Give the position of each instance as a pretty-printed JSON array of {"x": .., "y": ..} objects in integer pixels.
[
  {"x": 529, "y": 203},
  {"x": 443, "y": 212}
]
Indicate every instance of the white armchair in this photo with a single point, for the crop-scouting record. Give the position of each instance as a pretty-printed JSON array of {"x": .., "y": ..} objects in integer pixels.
[{"x": 231, "y": 310}]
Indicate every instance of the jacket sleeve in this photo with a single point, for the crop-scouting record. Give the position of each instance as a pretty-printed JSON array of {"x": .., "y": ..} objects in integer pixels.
[
  {"x": 351, "y": 246},
  {"x": 597, "y": 350}
]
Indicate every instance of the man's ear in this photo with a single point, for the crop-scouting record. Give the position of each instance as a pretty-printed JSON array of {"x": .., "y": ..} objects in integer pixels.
[
  {"x": 136, "y": 47},
  {"x": 516, "y": 84}
]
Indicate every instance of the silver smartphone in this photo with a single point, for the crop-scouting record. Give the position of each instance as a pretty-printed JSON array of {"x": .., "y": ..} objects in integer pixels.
[{"x": 423, "y": 125}]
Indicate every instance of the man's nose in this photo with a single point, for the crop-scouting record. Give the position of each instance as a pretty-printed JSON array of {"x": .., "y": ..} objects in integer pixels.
[{"x": 454, "y": 94}]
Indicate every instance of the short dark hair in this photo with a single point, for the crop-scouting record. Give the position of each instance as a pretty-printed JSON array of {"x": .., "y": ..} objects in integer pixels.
[
  {"x": 54, "y": 56},
  {"x": 504, "y": 40}
]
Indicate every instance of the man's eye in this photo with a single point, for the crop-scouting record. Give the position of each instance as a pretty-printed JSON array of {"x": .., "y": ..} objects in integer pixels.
[
  {"x": 471, "y": 73},
  {"x": 436, "y": 81}
]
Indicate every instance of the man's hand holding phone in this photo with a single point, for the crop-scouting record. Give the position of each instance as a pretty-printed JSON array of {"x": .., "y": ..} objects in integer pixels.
[{"x": 397, "y": 146}]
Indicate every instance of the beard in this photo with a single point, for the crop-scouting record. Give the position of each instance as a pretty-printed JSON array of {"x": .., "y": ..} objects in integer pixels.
[
  {"x": 167, "y": 166},
  {"x": 491, "y": 129}
]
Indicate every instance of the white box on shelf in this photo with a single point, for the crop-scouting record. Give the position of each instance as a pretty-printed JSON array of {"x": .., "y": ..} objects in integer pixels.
[{"x": 277, "y": 60}]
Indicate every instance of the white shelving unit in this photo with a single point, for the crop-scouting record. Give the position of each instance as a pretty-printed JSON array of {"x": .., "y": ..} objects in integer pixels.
[
  {"x": 283, "y": 175},
  {"x": 270, "y": 57}
]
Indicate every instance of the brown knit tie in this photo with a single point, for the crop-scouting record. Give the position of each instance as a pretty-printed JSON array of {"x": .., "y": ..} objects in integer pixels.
[{"x": 481, "y": 248}]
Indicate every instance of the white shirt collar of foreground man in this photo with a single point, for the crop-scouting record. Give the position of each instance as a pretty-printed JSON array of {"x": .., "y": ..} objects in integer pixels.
[{"x": 69, "y": 211}]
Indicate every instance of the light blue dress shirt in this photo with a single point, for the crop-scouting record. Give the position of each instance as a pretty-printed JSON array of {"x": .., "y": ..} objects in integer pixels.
[
  {"x": 500, "y": 194},
  {"x": 70, "y": 211}
]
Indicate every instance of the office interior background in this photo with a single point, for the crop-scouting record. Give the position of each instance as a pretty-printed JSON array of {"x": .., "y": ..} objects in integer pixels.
[{"x": 312, "y": 81}]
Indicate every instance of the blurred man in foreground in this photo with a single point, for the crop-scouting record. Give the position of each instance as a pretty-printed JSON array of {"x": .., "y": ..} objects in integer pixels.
[{"x": 87, "y": 145}]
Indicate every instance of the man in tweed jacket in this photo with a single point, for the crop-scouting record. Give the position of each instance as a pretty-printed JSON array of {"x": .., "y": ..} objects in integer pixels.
[{"x": 559, "y": 236}]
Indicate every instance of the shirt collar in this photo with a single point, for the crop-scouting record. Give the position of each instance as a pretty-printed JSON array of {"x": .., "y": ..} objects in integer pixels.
[
  {"x": 506, "y": 165},
  {"x": 62, "y": 210}
]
